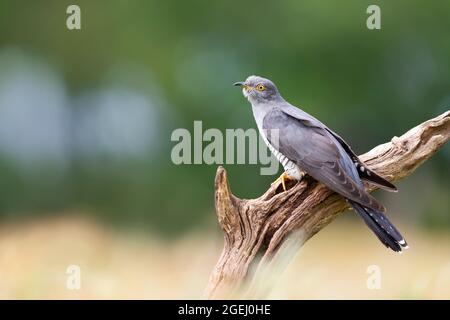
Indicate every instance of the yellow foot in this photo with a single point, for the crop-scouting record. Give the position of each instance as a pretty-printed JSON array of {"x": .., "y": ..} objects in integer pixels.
[{"x": 283, "y": 178}]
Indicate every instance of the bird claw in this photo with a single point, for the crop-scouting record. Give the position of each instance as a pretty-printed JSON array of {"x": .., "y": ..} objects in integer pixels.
[{"x": 283, "y": 178}]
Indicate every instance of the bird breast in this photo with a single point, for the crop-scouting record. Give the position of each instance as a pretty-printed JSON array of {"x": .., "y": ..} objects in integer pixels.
[
  {"x": 289, "y": 166},
  {"x": 259, "y": 111}
]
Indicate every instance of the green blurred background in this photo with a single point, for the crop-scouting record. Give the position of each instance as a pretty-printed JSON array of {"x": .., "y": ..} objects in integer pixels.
[{"x": 86, "y": 115}]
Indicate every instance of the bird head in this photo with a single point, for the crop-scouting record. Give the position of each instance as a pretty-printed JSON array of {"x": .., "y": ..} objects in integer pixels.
[{"x": 259, "y": 90}]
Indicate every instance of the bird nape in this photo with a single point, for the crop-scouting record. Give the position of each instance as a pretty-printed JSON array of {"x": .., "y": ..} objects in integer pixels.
[{"x": 301, "y": 143}]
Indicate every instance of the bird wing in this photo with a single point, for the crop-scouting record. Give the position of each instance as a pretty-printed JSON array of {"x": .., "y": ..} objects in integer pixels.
[
  {"x": 364, "y": 172},
  {"x": 305, "y": 141}
]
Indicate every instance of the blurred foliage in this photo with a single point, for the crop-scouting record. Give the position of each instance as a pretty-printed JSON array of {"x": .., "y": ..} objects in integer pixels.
[{"x": 367, "y": 85}]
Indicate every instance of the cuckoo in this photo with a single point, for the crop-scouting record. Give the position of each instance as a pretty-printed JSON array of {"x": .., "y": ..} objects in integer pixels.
[{"x": 303, "y": 144}]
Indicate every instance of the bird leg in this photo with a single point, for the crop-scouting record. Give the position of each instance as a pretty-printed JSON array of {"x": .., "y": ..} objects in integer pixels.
[{"x": 283, "y": 178}]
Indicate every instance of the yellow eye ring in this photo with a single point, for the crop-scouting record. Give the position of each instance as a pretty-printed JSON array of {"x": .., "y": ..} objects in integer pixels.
[{"x": 260, "y": 87}]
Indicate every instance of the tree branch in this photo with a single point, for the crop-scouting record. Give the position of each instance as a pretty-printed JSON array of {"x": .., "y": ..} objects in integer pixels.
[{"x": 257, "y": 232}]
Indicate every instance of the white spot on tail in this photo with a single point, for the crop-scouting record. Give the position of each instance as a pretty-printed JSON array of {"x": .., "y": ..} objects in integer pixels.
[{"x": 403, "y": 244}]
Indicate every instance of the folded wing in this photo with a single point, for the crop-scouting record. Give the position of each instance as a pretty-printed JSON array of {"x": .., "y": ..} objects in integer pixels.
[{"x": 318, "y": 152}]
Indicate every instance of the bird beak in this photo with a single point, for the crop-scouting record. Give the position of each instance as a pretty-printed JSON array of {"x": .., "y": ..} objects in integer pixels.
[{"x": 242, "y": 84}]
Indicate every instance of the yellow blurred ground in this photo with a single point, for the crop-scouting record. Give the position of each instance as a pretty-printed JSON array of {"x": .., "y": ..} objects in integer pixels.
[{"x": 34, "y": 258}]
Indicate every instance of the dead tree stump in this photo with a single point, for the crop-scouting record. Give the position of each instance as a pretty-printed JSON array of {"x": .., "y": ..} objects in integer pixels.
[{"x": 257, "y": 230}]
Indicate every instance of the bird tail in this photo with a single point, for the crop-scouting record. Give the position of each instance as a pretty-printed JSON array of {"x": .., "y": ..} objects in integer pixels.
[{"x": 381, "y": 226}]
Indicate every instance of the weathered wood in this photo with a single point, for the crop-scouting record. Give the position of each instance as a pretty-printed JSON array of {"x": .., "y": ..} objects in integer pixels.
[{"x": 255, "y": 229}]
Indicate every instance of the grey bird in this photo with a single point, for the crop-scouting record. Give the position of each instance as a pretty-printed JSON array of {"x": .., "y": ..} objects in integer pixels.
[{"x": 303, "y": 144}]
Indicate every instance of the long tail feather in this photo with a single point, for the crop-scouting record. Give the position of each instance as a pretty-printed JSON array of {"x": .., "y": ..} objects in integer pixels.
[{"x": 381, "y": 226}]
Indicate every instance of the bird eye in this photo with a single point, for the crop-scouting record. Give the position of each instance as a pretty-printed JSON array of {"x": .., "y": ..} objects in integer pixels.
[{"x": 260, "y": 87}]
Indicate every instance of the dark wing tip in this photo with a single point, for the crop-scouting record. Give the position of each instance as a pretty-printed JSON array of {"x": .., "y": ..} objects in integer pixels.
[{"x": 373, "y": 178}]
